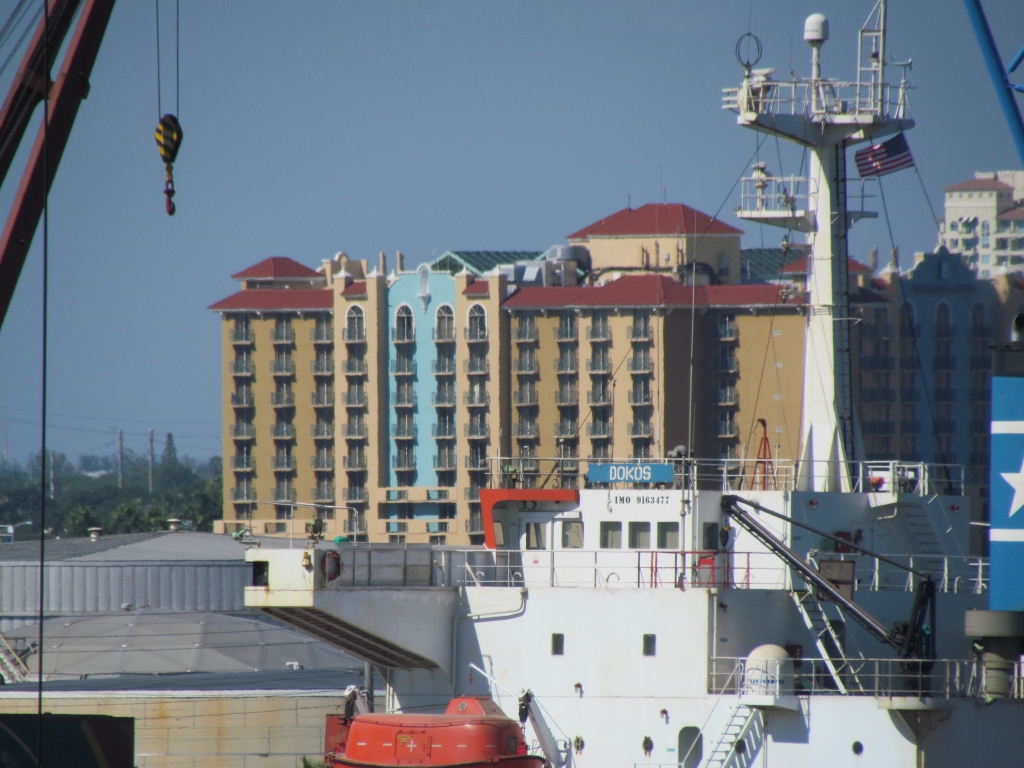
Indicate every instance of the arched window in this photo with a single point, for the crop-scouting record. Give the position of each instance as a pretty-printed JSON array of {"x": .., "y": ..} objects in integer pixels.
[
  {"x": 907, "y": 325},
  {"x": 985, "y": 231},
  {"x": 477, "y": 330},
  {"x": 978, "y": 320},
  {"x": 882, "y": 322},
  {"x": 942, "y": 320},
  {"x": 444, "y": 324},
  {"x": 355, "y": 330},
  {"x": 404, "y": 328}
]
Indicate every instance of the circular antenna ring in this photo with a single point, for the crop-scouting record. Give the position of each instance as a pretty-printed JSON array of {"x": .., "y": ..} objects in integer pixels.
[{"x": 753, "y": 51}]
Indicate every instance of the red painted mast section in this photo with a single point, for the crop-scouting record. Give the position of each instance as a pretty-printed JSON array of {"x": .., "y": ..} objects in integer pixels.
[{"x": 66, "y": 95}]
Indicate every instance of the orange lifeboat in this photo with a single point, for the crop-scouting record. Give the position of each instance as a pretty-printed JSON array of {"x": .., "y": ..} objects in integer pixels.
[{"x": 472, "y": 733}]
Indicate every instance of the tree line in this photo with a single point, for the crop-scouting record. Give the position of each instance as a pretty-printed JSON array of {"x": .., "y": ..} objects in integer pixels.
[{"x": 87, "y": 495}]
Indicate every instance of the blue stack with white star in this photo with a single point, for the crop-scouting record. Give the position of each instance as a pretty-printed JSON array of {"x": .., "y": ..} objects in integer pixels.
[{"x": 1006, "y": 510}]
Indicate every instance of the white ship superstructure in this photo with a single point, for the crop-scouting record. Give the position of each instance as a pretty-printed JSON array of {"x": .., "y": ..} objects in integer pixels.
[{"x": 661, "y": 623}]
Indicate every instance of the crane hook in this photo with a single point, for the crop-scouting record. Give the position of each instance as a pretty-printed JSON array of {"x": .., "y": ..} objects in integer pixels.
[{"x": 168, "y": 140}]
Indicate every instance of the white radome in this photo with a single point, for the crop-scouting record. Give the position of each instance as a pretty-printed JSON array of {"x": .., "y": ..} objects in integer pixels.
[{"x": 816, "y": 28}]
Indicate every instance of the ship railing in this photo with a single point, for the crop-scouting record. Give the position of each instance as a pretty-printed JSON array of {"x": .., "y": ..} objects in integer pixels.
[
  {"x": 986, "y": 679},
  {"x": 760, "y": 95},
  {"x": 771, "y": 194}
]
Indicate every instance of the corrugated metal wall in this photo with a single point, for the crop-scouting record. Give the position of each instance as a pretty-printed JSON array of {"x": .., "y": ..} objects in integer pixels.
[{"x": 94, "y": 587}]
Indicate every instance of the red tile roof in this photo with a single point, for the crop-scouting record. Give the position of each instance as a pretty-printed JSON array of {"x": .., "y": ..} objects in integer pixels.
[
  {"x": 656, "y": 219},
  {"x": 1014, "y": 214},
  {"x": 978, "y": 185},
  {"x": 276, "y": 268},
  {"x": 276, "y": 299},
  {"x": 477, "y": 288},
  {"x": 648, "y": 291},
  {"x": 799, "y": 267},
  {"x": 355, "y": 288}
]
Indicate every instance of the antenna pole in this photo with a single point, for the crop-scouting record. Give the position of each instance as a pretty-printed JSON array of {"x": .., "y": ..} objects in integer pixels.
[
  {"x": 120, "y": 459},
  {"x": 151, "y": 462}
]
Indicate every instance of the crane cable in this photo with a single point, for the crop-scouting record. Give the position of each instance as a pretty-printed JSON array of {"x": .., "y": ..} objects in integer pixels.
[{"x": 168, "y": 130}]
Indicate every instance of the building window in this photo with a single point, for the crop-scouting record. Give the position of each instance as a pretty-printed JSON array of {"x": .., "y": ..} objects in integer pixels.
[
  {"x": 650, "y": 645},
  {"x": 611, "y": 535},
  {"x": 558, "y": 644},
  {"x": 668, "y": 535},
  {"x": 477, "y": 323},
  {"x": 639, "y": 535},
  {"x": 404, "y": 330},
  {"x": 535, "y": 535},
  {"x": 572, "y": 534},
  {"x": 723, "y": 265}
]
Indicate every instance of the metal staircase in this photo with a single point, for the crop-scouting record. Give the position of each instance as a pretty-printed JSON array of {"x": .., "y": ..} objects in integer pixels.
[
  {"x": 926, "y": 540},
  {"x": 826, "y": 640},
  {"x": 745, "y": 726},
  {"x": 12, "y": 668}
]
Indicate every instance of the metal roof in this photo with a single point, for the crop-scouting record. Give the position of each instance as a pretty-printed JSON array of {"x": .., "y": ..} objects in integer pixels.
[
  {"x": 761, "y": 265},
  {"x": 302, "y": 680},
  {"x": 154, "y": 545},
  {"x": 480, "y": 262},
  {"x": 172, "y": 642}
]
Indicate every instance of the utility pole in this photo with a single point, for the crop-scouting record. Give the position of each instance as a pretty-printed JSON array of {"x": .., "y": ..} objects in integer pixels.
[
  {"x": 120, "y": 458},
  {"x": 151, "y": 462}
]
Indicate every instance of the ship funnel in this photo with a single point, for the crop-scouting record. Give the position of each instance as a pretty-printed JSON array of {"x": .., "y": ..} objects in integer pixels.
[{"x": 816, "y": 29}]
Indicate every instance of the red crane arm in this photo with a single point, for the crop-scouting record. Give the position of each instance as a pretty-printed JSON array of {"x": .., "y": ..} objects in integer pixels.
[{"x": 66, "y": 95}]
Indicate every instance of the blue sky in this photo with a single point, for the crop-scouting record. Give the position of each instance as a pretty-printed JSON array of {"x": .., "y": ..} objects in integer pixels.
[{"x": 316, "y": 127}]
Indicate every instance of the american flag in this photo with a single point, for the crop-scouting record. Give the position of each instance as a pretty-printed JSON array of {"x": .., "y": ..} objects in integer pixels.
[{"x": 888, "y": 157}]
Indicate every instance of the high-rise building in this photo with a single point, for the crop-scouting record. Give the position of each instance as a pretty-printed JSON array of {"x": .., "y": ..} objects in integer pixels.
[{"x": 984, "y": 221}]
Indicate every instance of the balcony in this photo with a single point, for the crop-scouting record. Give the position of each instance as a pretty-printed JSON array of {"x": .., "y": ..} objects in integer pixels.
[
  {"x": 476, "y": 399},
  {"x": 945, "y": 395},
  {"x": 284, "y": 495},
  {"x": 640, "y": 333},
  {"x": 727, "y": 332},
  {"x": 910, "y": 427},
  {"x": 726, "y": 396},
  {"x": 354, "y": 335},
  {"x": 877, "y": 427},
  {"x": 354, "y": 463},
  {"x": 566, "y": 429},
  {"x": 445, "y": 463},
  {"x": 910, "y": 395},
  {"x": 640, "y": 398},
  {"x": 403, "y": 336},
  {"x": 599, "y": 333},
  {"x": 567, "y": 398},
  {"x": 356, "y": 526},
  {"x": 476, "y": 431},
  {"x": 322, "y": 463},
  {"x": 565, "y": 334},
  {"x": 444, "y": 366},
  {"x": 404, "y": 431},
  {"x": 599, "y": 397},
  {"x": 527, "y": 333},
  {"x": 321, "y": 367},
  {"x": 877, "y": 363},
  {"x": 282, "y": 336},
  {"x": 403, "y": 366},
  {"x": 443, "y": 431},
  {"x": 282, "y": 463},
  {"x": 323, "y": 495},
  {"x": 525, "y": 430},
  {"x": 355, "y": 367},
  {"x": 641, "y": 365},
  {"x": 404, "y": 399},
  {"x": 443, "y": 335},
  {"x": 322, "y": 335},
  {"x": 356, "y": 399},
  {"x": 569, "y": 366},
  {"x": 726, "y": 365},
  {"x": 944, "y": 363},
  {"x": 476, "y": 366},
  {"x": 321, "y": 431},
  {"x": 443, "y": 399},
  {"x": 242, "y": 399},
  {"x": 982, "y": 395},
  {"x": 241, "y": 336},
  {"x": 981, "y": 362},
  {"x": 525, "y": 367},
  {"x": 356, "y": 494},
  {"x": 471, "y": 493},
  {"x": 475, "y": 334},
  {"x": 282, "y": 399},
  {"x": 322, "y": 399},
  {"x": 282, "y": 431},
  {"x": 641, "y": 429},
  {"x": 476, "y": 463},
  {"x": 474, "y": 525},
  {"x": 403, "y": 463},
  {"x": 599, "y": 429},
  {"x": 945, "y": 427},
  {"x": 282, "y": 367},
  {"x": 242, "y": 463},
  {"x": 243, "y": 493},
  {"x": 878, "y": 395},
  {"x": 727, "y": 429},
  {"x": 599, "y": 365},
  {"x": 241, "y": 367},
  {"x": 243, "y": 431}
]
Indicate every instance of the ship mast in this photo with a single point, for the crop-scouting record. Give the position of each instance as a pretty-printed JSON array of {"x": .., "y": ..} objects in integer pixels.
[{"x": 825, "y": 116}]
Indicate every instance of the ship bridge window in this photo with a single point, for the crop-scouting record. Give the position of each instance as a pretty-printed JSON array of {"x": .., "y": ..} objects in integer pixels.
[
  {"x": 668, "y": 535},
  {"x": 535, "y": 535},
  {"x": 611, "y": 535},
  {"x": 650, "y": 645},
  {"x": 691, "y": 747},
  {"x": 499, "y": 534},
  {"x": 260, "y": 573},
  {"x": 639, "y": 535},
  {"x": 572, "y": 534},
  {"x": 558, "y": 644}
]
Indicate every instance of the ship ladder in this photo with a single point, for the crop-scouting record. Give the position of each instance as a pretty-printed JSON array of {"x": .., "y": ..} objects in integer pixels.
[
  {"x": 927, "y": 541},
  {"x": 743, "y": 721},
  {"x": 826, "y": 640},
  {"x": 12, "y": 668}
]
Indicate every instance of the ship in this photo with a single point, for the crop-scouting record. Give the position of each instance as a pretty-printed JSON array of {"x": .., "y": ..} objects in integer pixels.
[{"x": 692, "y": 612}]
